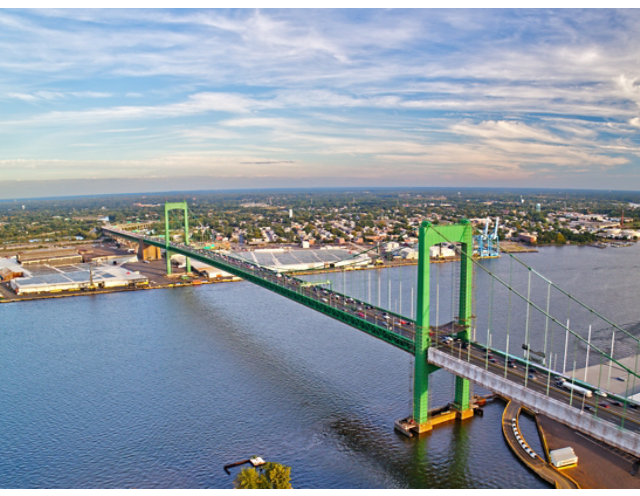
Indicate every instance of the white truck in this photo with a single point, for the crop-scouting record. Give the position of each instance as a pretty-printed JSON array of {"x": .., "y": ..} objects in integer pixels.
[{"x": 575, "y": 388}]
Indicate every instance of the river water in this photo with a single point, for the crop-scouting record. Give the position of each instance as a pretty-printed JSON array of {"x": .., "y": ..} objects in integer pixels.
[{"x": 160, "y": 389}]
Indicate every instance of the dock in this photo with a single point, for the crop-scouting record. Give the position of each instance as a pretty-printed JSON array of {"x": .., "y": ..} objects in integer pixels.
[{"x": 533, "y": 461}]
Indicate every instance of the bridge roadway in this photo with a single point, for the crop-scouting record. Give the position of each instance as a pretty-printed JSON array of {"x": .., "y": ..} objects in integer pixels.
[
  {"x": 609, "y": 407},
  {"x": 400, "y": 331}
]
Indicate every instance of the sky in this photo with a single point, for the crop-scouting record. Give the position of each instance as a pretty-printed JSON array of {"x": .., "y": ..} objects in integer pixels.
[{"x": 140, "y": 100}]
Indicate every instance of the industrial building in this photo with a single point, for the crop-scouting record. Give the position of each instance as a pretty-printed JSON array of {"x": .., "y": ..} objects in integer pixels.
[
  {"x": 10, "y": 269},
  {"x": 59, "y": 256},
  {"x": 436, "y": 252},
  {"x": 204, "y": 269},
  {"x": 46, "y": 278},
  {"x": 289, "y": 259}
]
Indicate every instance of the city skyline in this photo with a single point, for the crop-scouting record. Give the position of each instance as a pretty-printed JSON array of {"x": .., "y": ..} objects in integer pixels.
[{"x": 116, "y": 101}]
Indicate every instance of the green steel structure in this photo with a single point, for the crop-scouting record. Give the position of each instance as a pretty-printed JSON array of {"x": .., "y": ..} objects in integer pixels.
[
  {"x": 433, "y": 344},
  {"x": 417, "y": 345},
  {"x": 272, "y": 282},
  {"x": 175, "y": 206},
  {"x": 457, "y": 233},
  {"x": 429, "y": 343}
]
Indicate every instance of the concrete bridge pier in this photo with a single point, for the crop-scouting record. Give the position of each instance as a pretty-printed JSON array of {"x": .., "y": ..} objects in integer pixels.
[{"x": 148, "y": 252}]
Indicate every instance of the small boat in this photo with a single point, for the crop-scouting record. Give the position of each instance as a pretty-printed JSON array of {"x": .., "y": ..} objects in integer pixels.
[{"x": 405, "y": 426}]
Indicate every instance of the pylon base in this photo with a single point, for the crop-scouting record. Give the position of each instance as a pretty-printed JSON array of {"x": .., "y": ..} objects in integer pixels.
[
  {"x": 410, "y": 428},
  {"x": 465, "y": 414}
]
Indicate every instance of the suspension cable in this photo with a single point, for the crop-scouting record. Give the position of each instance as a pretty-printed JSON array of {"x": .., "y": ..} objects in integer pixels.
[
  {"x": 583, "y": 305},
  {"x": 457, "y": 249}
]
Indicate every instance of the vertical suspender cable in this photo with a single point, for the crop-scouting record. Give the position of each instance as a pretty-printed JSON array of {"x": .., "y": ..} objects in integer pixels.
[
  {"x": 506, "y": 359},
  {"x": 490, "y": 317},
  {"x": 566, "y": 343},
  {"x": 509, "y": 303},
  {"x": 526, "y": 332},
  {"x": 626, "y": 396},
  {"x": 635, "y": 367},
  {"x": 546, "y": 327},
  {"x": 437, "y": 322},
  {"x": 586, "y": 362},
  {"x": 413, "y": 315},
  {"x": 613, "y": 337}
]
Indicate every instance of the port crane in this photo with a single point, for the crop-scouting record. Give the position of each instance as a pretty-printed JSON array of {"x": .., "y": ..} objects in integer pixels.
[{"x": 488, "y": 244}]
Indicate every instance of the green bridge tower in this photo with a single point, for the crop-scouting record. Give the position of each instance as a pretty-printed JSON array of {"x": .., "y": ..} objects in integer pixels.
[
  {"x": 431, "y": 235},
  {"x": 175, "y": 206}
]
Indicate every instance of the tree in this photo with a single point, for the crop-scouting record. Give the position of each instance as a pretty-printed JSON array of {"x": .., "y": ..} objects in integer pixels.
[
  {"x": 268, "y": 476},
  {"x": 250, "y": 478},
  {"x": 278, "y": 475}
]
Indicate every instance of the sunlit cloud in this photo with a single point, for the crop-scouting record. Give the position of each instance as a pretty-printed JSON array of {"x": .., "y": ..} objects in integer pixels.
[{"x": 431, "y": 97}]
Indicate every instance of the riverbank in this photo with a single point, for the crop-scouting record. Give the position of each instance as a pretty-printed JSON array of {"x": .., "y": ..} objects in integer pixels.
[{"x": 154, "y": 271}]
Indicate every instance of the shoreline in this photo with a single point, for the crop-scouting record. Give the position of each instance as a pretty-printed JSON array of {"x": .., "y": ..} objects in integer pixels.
[
  {"x": 154, "y": 271},
  {"x": 157, "y": 268}
]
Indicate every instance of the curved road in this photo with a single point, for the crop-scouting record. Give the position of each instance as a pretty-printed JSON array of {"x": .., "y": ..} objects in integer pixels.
[{"x": 534, "y": 462}]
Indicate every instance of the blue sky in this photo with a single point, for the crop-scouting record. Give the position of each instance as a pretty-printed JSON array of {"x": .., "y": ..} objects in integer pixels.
[{"x": 99, "y": 101}]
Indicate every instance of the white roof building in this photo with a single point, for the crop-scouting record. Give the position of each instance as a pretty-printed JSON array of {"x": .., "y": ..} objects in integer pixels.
[{"x": 563, "y": 457}]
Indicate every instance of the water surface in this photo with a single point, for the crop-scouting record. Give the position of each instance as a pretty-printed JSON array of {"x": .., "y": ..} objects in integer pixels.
[{"x": 159, "y": 389}]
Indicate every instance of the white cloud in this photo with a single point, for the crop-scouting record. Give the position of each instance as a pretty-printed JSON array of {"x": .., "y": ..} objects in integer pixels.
[
  {"x": 509, "y": 130},
  {"x": 445, "y": 90},
  {"x": 48, "y": 95},
  {"x": 199, "y": 103},
  {"x": 23, "y": 96}
]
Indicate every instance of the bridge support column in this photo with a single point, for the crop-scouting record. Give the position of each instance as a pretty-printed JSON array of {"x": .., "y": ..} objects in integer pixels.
[
  {"x": 429, "y": 236},
  {"x": 463, "y": 389},
  {"x": 148, "y": 252}
]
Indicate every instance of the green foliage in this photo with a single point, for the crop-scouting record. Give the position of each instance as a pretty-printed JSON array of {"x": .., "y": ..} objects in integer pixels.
[
  {"x": 561, "y": 236},
  {"x": 231, "y": 213},
  {"x": 268, "y": 476},
  {"x": 250, "y": 478},
  {"x": 278, "y": 475}
]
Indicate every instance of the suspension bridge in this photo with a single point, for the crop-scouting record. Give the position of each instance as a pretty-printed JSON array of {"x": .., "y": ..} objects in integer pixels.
[{"x": 564, "y": 371}]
